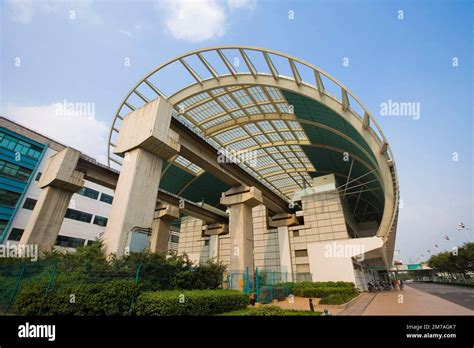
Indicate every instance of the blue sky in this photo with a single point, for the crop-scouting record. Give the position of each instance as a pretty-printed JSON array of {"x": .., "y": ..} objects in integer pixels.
[{"x": 81, "y": 59}]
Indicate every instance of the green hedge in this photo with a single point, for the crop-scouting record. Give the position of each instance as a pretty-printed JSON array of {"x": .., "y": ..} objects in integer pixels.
[
  {"x": 323, "y": 292},
  {"x": 113, "y": 297},
  {"x": 192, "y": 303},
  {"x": 336, "y": 299}
]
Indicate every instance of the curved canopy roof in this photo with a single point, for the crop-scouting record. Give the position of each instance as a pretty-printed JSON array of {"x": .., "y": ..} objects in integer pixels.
[{"x": 280, "y": 117}]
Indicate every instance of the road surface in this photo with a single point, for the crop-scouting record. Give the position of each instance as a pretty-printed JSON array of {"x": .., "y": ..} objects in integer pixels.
[{"x": 461, "y": 295}]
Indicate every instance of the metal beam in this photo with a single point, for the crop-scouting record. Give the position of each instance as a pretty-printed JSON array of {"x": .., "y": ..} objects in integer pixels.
[
  {"x": 108, "y": 177},
  {"x": 203, "y": 154}
]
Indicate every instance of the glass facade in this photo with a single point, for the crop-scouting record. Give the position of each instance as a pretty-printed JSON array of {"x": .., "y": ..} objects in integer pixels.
[
  {"x": 19, "y": 146},
  {"x": 14, "y": 171},
  {"x": 19, "y": 158}
]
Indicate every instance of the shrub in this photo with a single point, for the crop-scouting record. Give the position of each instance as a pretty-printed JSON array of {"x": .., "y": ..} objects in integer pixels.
[
  {"x": 192, "y": 303},
  {"x": 336, "y": 299},
  {"x": 207, "y": 275},
  {"x": 110, "y": 298},
  {"x": 323, "y": 292},
  {"x": 266, "y": 311}
]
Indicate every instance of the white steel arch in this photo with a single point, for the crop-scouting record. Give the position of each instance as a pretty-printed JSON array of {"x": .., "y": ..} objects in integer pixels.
[{"x": 146, "y": 90}]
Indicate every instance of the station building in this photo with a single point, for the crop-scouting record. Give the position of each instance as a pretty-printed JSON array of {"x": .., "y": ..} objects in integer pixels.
[
  {"x": 24, "y": 155},
  {"x": 262, "y": 159}
]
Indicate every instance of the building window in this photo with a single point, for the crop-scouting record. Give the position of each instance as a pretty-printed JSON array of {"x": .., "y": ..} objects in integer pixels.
[
  {"x": 296, "y": 233},
  {"x": 16, "y": 145},
  {"x": 78, "y": 215},
  {"x": 301, "y": 253},
  {"x": 206, "y": 242},
  {"x": 29, "y": 204},
  {"x": 15, "y": 234},
  {"x": 106, "y": 198},
  {"x": 70, "y": 242},
  {"x": 3, "y": 224},
  {"x": 8, "y": 199},
  {"x": 100, "y": 220},
  {"x": 13, "y": 171},
  {"x": 38, "y": 176},
  {"x": 88, "y": 192},
  {"x": 174, "y": 238}
]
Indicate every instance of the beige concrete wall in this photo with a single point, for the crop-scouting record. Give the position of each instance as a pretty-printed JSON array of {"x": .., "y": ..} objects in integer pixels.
[
  {"x": 224, "y": 249},
  {"x": 191, "y": 241},
  {"x": 323, "y": 221}
]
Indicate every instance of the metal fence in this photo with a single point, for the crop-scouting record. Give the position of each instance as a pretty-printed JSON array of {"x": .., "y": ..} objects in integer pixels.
[
  {"x": 264, "y": 284},
  {"x": 15, "y": 276}
]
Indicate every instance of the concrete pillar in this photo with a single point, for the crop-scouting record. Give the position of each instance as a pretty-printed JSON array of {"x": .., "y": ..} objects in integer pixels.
[
  {"x": 285, "y": 252},
  {"x": 214, "y": 231},
  {"x": 145, "y": 140},
  {"x": 240, "y": 201},
  {"x": 214, "y": 247},
  {"x": 59, "y": 181},
  {"x": 161, "y": 227},
  {"x": 281, "y": 222}
]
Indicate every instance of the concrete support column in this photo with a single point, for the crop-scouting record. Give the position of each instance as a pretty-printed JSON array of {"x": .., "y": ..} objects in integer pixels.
[
  {"x": 161, "y": 228},
  {"x": 59, "y": 181},
  {"x": 145, "y": 140},
  {"x": 281, "y": 222},
  {"x": 214, "y": 231},
  {"x": 214, "y": 247},
  {"x": 240, "y": 201},
  {"x": 285, "y": 252}
]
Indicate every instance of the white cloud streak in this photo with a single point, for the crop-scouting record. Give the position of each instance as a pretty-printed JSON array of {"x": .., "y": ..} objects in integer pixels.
[
  {"x": 194, "y": 21},
  {"x": 82, "y": 132}
]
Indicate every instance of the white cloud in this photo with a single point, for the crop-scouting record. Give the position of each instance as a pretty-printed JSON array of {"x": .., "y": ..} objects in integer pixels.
[
  {"x": 125, "y": 32},
  {"x": 82, "y": 132},
  {"x": 242, "y": 4},
  {"x": 194, "y": 21},
  {"x": 24, "y": 11}
]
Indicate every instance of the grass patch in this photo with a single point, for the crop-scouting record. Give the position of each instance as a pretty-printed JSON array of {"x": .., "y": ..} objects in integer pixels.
[{"x": 267, "y": 311}]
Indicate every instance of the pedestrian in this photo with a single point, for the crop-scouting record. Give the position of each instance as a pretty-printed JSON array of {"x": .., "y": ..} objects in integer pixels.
[{"x": 401, "y": 284}]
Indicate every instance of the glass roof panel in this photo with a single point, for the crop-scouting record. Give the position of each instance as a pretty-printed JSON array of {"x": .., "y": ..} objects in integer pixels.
[
  {"x": 258, "y": 94},
  {"x": 242, "y": 97},
  {"x": 225, "y": 104},
  {"x": 268, "y": 108}
]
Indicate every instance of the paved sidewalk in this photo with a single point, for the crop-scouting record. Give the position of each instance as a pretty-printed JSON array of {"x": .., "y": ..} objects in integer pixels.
[
  {"x": 413, "y": 302},
  {"x": 360, "y": 304}
]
